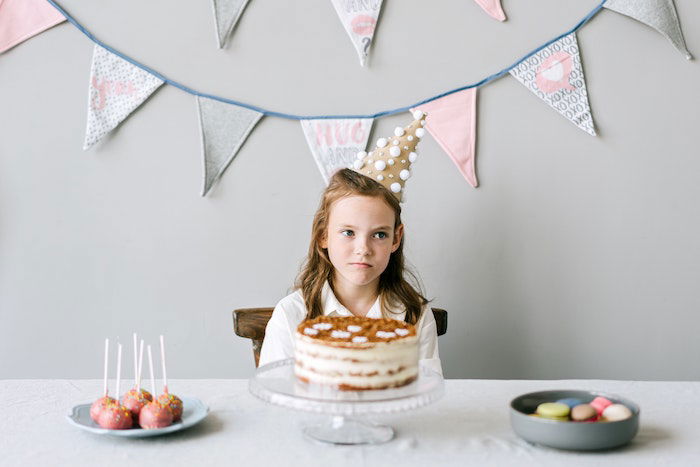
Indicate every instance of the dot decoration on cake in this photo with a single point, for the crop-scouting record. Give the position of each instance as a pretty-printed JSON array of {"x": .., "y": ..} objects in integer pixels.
[{"x": 390, "y": 166}]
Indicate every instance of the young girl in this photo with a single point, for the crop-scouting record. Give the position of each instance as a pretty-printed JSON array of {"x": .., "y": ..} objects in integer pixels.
[{"x": 355, "y": 266}]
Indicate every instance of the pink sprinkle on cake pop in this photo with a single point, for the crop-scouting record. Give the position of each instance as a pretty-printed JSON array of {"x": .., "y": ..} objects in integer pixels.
[{"x": 172, "y": 401}]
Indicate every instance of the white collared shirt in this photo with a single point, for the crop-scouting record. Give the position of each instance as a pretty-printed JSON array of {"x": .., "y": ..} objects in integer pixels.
[{"x": 291, "y": 310}]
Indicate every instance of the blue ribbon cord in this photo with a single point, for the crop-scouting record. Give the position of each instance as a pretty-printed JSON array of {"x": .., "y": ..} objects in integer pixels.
[{"x": 272, "y": 113}]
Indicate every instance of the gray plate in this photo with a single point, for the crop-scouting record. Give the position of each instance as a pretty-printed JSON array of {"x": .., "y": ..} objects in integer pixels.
[
  {"x": 194, "y": 411},
  {"x": 579, "y": 436}
]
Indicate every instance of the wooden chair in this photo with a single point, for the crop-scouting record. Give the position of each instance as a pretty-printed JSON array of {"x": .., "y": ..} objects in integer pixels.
[{"x": 250, "y": 323}]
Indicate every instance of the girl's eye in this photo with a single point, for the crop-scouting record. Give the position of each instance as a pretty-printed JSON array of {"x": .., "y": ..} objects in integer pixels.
[
  {"x": 380, "y": 235},
  {"x": 347, "y": 233}
]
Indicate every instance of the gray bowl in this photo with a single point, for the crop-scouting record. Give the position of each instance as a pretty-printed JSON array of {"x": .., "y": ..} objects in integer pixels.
[{"x": 579, "y": 436}]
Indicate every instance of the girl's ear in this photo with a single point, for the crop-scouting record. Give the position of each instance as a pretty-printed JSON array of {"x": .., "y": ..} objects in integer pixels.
[
  {"x": 323, "y": 241},
  {"x": 398, "y": 235}
]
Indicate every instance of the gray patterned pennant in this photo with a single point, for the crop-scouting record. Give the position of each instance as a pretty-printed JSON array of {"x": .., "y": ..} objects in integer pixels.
[
  {"x": 226, "y": 15},
  {"x": 224, "y": 129},
  {"x": 659, "y": 14}
]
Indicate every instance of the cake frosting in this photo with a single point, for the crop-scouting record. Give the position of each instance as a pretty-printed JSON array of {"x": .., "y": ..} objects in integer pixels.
[{"x": 353, "y": 353}]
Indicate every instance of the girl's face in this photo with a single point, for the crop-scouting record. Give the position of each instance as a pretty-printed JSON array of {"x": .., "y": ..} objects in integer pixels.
[{"x": 360, "y": 239}]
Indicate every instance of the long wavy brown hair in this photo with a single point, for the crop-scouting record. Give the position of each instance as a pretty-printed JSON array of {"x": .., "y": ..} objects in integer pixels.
[{"x": 394, "y": 288}]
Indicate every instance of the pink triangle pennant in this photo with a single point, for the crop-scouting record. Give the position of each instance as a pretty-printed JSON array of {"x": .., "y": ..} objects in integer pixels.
[
  {"x": 22, "y": 19},
  {"x": 451, "y": 120},
  {"x": 493, "y": 8}
]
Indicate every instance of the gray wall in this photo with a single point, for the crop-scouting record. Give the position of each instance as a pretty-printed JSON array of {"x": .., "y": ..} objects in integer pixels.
[{"x": 577, "y": 257}]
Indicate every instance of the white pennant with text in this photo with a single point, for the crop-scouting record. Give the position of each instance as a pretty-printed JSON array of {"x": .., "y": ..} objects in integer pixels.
[
  {"x": 360, "y": 21},
  {"x": 117, "y": 88},
  {"x": 335, "y": 143}
]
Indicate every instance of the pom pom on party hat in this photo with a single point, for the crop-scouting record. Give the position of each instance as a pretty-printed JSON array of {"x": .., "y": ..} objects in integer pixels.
[{"x": 389, "y": 163}]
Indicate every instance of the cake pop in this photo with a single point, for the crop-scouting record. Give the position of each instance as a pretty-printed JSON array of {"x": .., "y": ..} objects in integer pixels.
[
  {"x": 134, "y": 399},
  {"x": 115, "y": 416},
  {"x": 154, "y": 414},
  {"x": 171, "y": 400},
  {"x": 97, "y": 406}
]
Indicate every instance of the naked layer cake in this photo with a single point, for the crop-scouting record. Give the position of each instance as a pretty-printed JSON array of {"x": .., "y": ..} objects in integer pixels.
[{"x": 352, "y": 353}]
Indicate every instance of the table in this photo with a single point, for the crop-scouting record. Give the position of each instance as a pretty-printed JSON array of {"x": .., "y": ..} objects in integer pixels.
[{"x": 469, "y": 426}]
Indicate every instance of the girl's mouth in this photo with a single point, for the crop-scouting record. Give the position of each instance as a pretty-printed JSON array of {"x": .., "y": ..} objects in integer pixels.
[{"x": 361, "y": 265}]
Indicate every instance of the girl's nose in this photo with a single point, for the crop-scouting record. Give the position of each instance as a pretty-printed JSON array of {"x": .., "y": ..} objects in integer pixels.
[{"x": 362, "y": 248}]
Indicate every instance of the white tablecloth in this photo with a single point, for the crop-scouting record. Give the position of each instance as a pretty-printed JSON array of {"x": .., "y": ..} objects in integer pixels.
[{"x": 469, "y": 426}]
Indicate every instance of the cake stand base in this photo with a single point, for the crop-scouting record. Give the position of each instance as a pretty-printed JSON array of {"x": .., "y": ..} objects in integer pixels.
[{"x": 342, "y": 430}]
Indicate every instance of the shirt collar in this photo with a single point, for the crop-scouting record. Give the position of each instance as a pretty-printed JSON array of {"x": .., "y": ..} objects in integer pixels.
[{"x": 333, "y": 307}]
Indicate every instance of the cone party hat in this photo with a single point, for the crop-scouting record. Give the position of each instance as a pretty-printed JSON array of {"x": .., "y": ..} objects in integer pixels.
[{"x": 389, "y": 163}]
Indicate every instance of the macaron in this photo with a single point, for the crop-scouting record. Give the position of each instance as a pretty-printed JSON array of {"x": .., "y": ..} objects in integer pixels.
[
  {"x": 599, "y": 404},
  {"x": 584, "y": 413},
  {"x": 571, "y": 402},
  {"x": 616, "y": 412},
  {"x": 553, "y": 411}
]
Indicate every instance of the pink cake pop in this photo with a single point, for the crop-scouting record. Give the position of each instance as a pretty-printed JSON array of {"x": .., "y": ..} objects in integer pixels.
[
  {"x": 115, "y": 416},
  {"x": 97, "y": 406},
  {"x": 134, "y": 399},
  {"x": 154, "y": 414},
  {"x": 171, "y": 400}
]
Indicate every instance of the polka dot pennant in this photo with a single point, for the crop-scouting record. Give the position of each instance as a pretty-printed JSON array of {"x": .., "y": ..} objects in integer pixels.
[
  {"x": 335, "y": 143},
  {"x": 555, "y": 75},
  {"x": 117, "y": 88}
]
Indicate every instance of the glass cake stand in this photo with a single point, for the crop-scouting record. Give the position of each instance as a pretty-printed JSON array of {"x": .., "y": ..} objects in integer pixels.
[{"x": 276, "y": 383}]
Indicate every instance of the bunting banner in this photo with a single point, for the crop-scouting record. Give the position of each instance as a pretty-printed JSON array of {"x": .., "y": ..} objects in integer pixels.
[
  {"x": 119, "y": 85},
  {"x": 334, "y": 143},
  {"x": 117, "y": 88},
  {"x": 224, "y": 128},
  {"x": 226, "y": 15},
  {"x": 493, "y": 8},
  {"x": 360, "y": 21},
  {"x": 555, "y": 75},
  {"x": 659, "y": 14},
  {"x": 451, "y": 120},
  {"x": 22, "y": 19}
]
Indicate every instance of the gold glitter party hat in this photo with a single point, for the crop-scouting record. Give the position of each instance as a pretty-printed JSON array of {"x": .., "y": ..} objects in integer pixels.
[{"x": 389, "y": 163}]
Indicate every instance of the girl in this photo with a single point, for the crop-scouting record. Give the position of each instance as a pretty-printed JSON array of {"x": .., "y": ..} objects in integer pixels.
[{"x": 355, "y": 266}]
